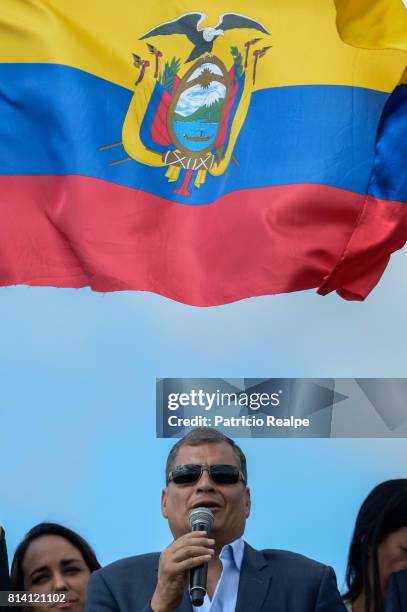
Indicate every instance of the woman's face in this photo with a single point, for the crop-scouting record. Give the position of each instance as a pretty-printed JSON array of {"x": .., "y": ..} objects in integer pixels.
[
  {"x": 392, "y": 555},
  {"x": 53, "y": 564}
]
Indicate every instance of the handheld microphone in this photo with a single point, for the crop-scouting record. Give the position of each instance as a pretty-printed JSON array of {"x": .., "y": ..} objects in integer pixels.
[{"x": 200, "y": 519}]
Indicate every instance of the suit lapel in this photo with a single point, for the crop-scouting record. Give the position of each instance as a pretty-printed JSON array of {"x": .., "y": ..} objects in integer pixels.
[{"x": 255, "y": 579}]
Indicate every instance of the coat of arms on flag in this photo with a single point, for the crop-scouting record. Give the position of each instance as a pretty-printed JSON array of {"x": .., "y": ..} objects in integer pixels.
[{"x": 186, "y": 114}]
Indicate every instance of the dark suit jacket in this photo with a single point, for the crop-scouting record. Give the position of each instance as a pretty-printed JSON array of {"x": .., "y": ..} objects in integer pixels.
[
  {"x": 273, "y": 580},
  {"x": 4, "y": 575},
  {"x": 396, "y": 598}
]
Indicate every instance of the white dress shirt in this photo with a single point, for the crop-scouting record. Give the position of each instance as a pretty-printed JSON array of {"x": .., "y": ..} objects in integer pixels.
[{"x": 225, "y": 595}]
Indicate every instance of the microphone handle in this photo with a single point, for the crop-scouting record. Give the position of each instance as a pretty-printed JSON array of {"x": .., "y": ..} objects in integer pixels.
[
  {"x": 197, "y": 587},
  {"x": 198, "y": 575}
]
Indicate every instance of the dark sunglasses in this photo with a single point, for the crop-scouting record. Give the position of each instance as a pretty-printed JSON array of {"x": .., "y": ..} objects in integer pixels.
[{"x": 192, "y": 472}]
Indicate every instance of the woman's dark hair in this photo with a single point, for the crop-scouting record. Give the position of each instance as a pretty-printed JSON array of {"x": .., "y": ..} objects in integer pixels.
[
  {"x": 383, "y": 512},
  {"x": 45, "y": 529}
]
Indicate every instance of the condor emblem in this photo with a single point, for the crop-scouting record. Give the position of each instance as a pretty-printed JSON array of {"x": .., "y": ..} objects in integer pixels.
[{"x": 186, "y": 117}]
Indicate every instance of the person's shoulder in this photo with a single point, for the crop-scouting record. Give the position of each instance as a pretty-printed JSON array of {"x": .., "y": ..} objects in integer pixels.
[
  {"x": 127, "y": 584},
  {"x": 130, "y": 566},
  {"x": 305, "y": 583},
  {"x": 285, "y": 560},
  {"x": 286, "y": 557}
]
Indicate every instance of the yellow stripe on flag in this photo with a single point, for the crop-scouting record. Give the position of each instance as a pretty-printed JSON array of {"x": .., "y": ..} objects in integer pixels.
[
  {"x": 99, "y": 36},
  {"x": 373, "y": 24}
]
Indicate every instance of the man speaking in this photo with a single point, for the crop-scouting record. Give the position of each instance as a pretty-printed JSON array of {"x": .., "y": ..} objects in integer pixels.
[{"x": 207, "y": 470}]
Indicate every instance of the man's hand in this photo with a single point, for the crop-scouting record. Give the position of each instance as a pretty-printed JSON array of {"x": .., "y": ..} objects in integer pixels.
[{"x": 188, "y": 551}]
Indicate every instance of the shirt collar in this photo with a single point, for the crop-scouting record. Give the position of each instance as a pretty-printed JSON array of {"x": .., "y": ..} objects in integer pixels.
[{"x": 235, "y": 551}]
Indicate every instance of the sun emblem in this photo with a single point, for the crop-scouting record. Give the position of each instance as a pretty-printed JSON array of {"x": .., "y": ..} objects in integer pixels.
[{"x": 206, "y": 78}]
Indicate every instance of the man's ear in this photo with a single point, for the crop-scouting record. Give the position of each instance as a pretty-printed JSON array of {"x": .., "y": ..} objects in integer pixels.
[
  {"x": 248, "y": 502},
  {"x": 164, "y": 496}
]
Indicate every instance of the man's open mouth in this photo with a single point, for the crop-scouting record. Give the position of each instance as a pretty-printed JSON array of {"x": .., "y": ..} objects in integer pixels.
[{"x": 210, "y": 504}]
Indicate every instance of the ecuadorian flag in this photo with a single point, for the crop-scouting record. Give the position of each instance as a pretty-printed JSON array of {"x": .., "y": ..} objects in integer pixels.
[{"x": 207, "y": 151}]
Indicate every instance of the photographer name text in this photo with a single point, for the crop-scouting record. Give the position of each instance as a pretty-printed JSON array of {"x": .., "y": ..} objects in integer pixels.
[{"x": 243, "y": 421}]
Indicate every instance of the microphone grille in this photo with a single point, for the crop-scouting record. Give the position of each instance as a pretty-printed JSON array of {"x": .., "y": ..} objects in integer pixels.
[{"x": 201, "y": 516}]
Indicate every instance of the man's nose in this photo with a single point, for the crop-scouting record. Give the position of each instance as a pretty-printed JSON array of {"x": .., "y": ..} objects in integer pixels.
[
  {"x": 59, "y": 582},
  {"x": 205, "y": 483}
]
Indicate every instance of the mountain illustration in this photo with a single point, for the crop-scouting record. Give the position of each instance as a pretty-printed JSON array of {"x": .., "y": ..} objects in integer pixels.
[{"x": 207, "y": 114}]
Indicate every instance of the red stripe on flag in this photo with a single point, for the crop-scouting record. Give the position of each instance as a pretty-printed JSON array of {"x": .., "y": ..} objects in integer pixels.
[
  {"x": 74, "y": 231},
  {"x": 381, "y": 230}
]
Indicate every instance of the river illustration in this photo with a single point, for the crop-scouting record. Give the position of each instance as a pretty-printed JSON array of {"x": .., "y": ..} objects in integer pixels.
[{"x": 196, "y": 135}]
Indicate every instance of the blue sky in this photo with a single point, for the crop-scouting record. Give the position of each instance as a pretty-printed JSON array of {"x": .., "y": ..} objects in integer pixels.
[{"x": 77, "y": 415}]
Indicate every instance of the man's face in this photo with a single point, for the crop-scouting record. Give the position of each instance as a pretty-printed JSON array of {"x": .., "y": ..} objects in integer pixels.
[{"x": 230, "y": 503}]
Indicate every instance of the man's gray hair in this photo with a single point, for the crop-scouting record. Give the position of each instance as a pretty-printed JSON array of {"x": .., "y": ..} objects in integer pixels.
[{"x": 205, "y": 435}]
